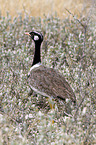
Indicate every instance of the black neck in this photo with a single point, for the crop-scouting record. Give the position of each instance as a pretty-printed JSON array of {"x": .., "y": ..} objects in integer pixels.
[{"x": 37, "y": 57}]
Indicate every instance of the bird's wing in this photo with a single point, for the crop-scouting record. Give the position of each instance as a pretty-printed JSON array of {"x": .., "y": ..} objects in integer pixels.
[{"x": 52, "y": 82}]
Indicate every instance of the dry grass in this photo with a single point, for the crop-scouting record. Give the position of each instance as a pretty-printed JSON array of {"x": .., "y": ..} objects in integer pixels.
[
  {"x": 27, "y": 119},
  {"x": 68, "y": 46},
  {"x": 41, "y": 7}
]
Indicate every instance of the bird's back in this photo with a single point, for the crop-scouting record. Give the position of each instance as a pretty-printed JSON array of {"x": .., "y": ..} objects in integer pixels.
[{"x": 50, "y": 82}]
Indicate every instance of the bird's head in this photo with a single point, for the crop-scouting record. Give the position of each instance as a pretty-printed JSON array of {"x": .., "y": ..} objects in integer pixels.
[{"x": 36, "y": 36}]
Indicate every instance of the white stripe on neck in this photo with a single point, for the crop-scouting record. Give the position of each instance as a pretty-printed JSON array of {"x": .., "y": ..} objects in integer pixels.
[{"x": 33, "y": 67}]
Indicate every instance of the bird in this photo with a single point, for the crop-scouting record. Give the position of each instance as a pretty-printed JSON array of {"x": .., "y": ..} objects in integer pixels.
[{"x": 46, "y": 81}]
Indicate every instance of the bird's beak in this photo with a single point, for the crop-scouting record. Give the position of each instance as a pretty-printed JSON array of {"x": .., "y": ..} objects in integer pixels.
[{"x": 27, "y": 33}]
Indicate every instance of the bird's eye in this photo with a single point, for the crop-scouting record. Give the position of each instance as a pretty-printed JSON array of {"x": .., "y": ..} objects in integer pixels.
[{"x": 36, "y": 38}]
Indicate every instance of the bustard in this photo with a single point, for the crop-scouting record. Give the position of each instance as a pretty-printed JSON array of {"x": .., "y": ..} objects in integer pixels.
[{"x": 47, "y": 81}]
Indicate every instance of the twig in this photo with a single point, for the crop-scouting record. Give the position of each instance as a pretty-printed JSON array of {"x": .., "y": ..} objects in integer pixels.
[
  {"x": 79, "y": 107},
  {"x": 83, "y": 55},
  {"x": 75, "y": 18},
  {"x": 69, "y": 115},
  {"x": 3, "y": 113}
]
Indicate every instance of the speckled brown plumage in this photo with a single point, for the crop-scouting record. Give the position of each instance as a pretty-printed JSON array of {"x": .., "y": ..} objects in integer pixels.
[{"x": 51, "y": 82}]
